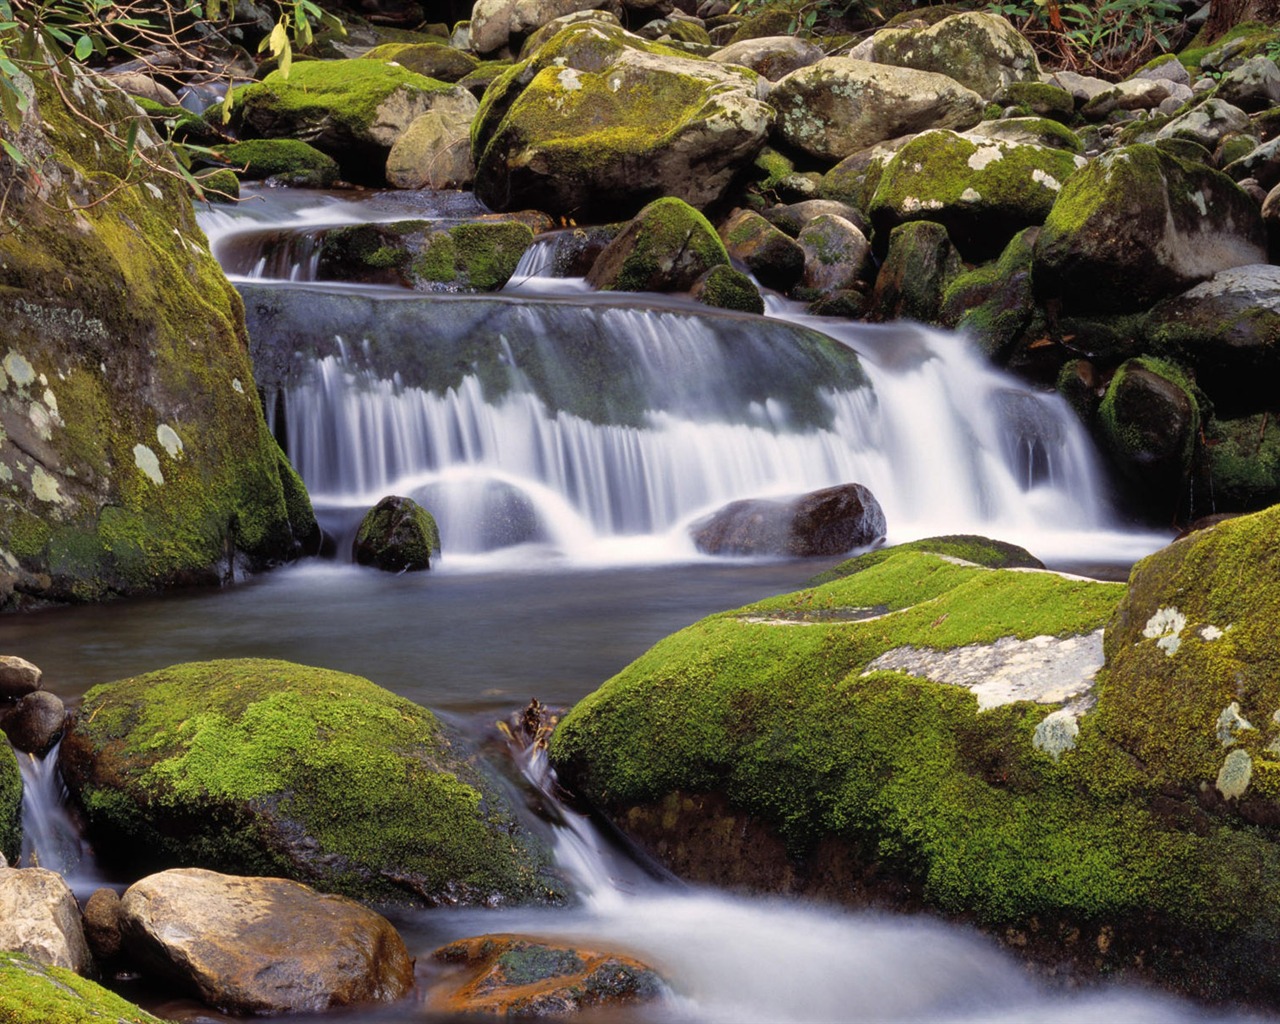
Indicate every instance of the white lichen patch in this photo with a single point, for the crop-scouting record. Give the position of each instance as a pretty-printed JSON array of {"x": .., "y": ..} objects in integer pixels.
[
  {"x": 40, "y": 422},
  {"x": 1056, "y": 733},
  {"x": 1046, "y": 179},
  {"x": 1234, "y": 775},
  {"x": 970, "y": 195},
  {"x": 1211, "y": 633},
  {"x": 147, "y": 461},
  {"x": 6, "y": 474},
  {"x": 169, "y": 440},
  {"x": 50, "y": 400},
  {"x": 1231, "y": 722},
  {"x": 236, "y": 386},
  {"x": 1044, "y": 669},
  {"x": 155, "y": 190},
  {"x": 1197, "y": 200},
  {"x": 1165, "y": 627},
  {"x": 568, "y": 79},
  {"x": 44, "y": 486},
  {"x": 985, "y": 156},
  {"x": 913, "y": 204},
  {"x": 8, "y": 559},
  {"x": 19, "y": 370}
]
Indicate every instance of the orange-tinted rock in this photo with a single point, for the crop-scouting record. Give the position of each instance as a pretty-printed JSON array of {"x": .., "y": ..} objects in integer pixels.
[{"x": 517, "y": 976}]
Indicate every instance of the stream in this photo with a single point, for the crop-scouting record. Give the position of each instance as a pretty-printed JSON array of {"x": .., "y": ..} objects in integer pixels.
[{"x": 566, "y": 555}]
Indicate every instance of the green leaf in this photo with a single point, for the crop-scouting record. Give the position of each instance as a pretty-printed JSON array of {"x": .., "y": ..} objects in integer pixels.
[
  {"x": 13, "y": 152},
  {"x": 279, "y": 39},
  {"x": 84, "y": 48}
]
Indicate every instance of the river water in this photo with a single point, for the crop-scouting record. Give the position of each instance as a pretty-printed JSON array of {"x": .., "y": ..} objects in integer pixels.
[{"x": 600, "y": 569}]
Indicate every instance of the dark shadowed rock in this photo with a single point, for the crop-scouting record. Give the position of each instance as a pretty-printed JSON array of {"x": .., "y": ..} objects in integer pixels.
[
  {"x": 35, "y": 725},
  {"x": 102, "y": 924},
  {"x": 826, "y": 522},
  {"x": 397, "y": 535}
]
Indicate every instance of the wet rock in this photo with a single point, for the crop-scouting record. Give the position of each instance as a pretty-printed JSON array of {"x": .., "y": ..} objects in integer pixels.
[
  {"x": 826, "y": 522},
  {"x": 792, "y": 218},
  {"x": 320, "y": 776},
  {"x": 838, "y": 106},
  {"x": 665, "y": 248},
  {"x": 281, "y": 161},
  {"x": 434, "y": 152},
  {"x": 101, "y": 921},
  {"x": 514, "y": 976},
  {"x": 32, "y": 992},
  {"x": 837, "y": 255},
  {"x": 979, "y": 50},
  {"x": 726, "y": 288},
  {"x": 773, "y": 258},
  {"x": 36, "y": 723},
  {"x": 262, "y": 945},
  {"x": 1137, "y": 225},
  {"x": 994, "y": 304},
  {"x": 433, "y": 60},
  {"x": 18, "y": 677},
  {"x": 396, "y": 535},
  {"x": 774, "y": 57},
  {"x": 39, "y": 917},
  {"x": 920, "y": 265}
]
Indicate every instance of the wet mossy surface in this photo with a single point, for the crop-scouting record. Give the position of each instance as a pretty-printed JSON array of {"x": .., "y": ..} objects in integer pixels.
[
  {"x": 286, "y": 161},
  {"x": 890, "y": 789},
  {"x": 271, "y": 768},
  {"x": 33, "y": 993},
  {"x": 10, "y": 804}
]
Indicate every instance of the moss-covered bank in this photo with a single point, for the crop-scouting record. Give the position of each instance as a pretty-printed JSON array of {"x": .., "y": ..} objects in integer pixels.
[
  {"x": 32, "y": 993},
  {"x": 271, "y": 768},
  {"x": 755, "y": 747}
]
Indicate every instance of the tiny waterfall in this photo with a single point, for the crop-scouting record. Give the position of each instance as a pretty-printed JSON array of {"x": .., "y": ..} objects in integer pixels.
[{"x": 50, "y": 834}]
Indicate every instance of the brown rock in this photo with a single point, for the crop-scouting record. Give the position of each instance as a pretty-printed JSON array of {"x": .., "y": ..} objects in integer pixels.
[
  {"x": 39, "y": 917},
  {"x": 510, "y": 975},
  {"x": 262, "y": 945},
  {"x": 826, "y": 522},
  {"x": 18, "y": 677},
  {"x": 36, "y": 724},
  {"x": 102, "y": 924}
]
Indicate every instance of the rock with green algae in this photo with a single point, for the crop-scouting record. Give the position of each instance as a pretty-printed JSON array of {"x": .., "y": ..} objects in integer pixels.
[
  {"x": 755, "y": 748},
  {"x": 599, "y": 122},
  {"x": 353, "y": 110},
  {"x": 396, "y": 535},
  {"x": 10, "y": 804},
  {"x": 665, "y": 248},
  {"x": 983, "y": 190},
  {"x": 32, "y": 993},
  {"x": 269, "y": 768},
  {"x": 133, "y": 450},
  {"x": 919, "y": 266},
  {"x": 1242, "y": 462},
  {"x": 769, "y": 253},
  {"x": 281, "y": 161},
  {"x": 726, "y": 288},
  {"x": 435, "y": 60},
  {"x": 1137, "y": 225},
  {"x": 994, "y": 304}
]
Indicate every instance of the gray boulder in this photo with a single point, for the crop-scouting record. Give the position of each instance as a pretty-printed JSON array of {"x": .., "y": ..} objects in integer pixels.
[
  {"x": 776, "y": 260},
  {"x": 434, "y": 152},
  {"x": 836, "y": 254},
  {"x": 1253, "y": 86},
  {"x": 826, "y": 522},
  {"x": 773, "y": 57},
  {"x": 39, "y": 917},
  {"x": 838, "y": 106},
  {"x": 1207, "y": 124},
  {"x": 18, "y": 677},
  {"x": 494, "y": 23},
  {"x": 262, "y": 945}
]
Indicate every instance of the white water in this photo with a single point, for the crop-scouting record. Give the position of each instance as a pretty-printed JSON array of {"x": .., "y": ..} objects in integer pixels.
[{"x": 50, "y": 835}]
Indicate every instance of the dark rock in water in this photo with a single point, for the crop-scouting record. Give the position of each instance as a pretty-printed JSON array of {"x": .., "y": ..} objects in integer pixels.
[
  {"x": 102, "y": 924},
  {"x": 827, "y": 522},
  {"x": 666, "y": 247},
  {"x": 36, "y": 724},
  {"x": 263, "y": 945},
  {"x": 397, "y": 535},
  {"x": 509, "y": 975}
]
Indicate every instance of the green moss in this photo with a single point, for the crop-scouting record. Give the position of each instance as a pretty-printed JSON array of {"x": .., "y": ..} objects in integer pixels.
[
  {"x": 318, "y": 775},
  {"x": 994, "y": 554},
  {"x": 1136, "y": 440},
  {"x": 665, "y": 233},
  {"x": 10, "y": 804},
  {"x": 727, "y": 288},
  {"x": 438, "y": 260},
  {"x": 1257, "y": 35},
  {"x": 220, "y": 186},
  {"x": 289, "y": 161},
  {"x": 1040, "y": 98},
  {"x": 432, "y": 60},
  {"x": 486, "y": 255},
  {"x": 34, "y": 993}
]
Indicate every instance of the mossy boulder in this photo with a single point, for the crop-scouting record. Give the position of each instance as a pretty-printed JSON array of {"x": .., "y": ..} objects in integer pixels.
[
  {"x": 599, "y": 122},
  {"x": 435, "y": 60},
  {"x": 134, "y": 453},
  {"x": 983, "y": 190},
  {"x": 726, "y": 288},
  {"x": 33, "y": 993},
  {"x": 396, "y": 535},
  {"x": 475, "y": 257},
  {"x": 838, "y": 106},
  {"x": 10, "y": 805},
  {"x": 994, "y": 304},
  {"x": 963, "y": 547},
  {"x": 774, "y": 57},
  {"x": 979, "y": 50},
  {"x": 1241, "y": 465},
  {"x": 1149, "y": 421},
  {"x": 768, "y": 746},
  {"x": 1227, "y": 329},
  {"x": 774, "y": 258},
  {"x": 1039, "y": 98},
  {"x": 837, "y": 256},
  {"x": 282, "y": 161},
  {"x": 665, "y": 248},
  {"x": 269, "y": 768},
  {"x": 919, "y": 266},
  {"x": 353, "y": 110},
  {"x": 1137, "y": 225}
]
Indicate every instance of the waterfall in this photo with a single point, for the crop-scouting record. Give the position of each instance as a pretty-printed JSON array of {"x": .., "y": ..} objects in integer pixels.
[{"x": 50, "y": 835}]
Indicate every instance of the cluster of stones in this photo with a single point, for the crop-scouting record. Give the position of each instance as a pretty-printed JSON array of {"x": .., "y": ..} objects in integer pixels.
[
  {"x": 251, "y": 942},
  {"x": 1108, "y": 239}
]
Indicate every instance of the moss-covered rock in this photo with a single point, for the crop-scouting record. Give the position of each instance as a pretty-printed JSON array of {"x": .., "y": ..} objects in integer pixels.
[
  {"x": 994, "y": 304},
  {"x": 837, "y": 255},
  {"x": 600, "y": 122},
  {"x": 353, "y": 110},
  {"x": 1040, "y": 98},
  {"x": 33, "y": 993},
  {"x": 396, "y": 535},
  {"x": 726, "y": 288},
  {"x": 774, "y": 258},
  {"x": 284, "y": 161},
  {"x": 919, "y": 266},
  {"x": 435, "y": 60},
  {"x": 1138, "y": 224},
  {"x": 665, "y": 248},
  {"x": 270, "y": 768},
  {"x": 979, "y": 50},
  {"x": 983, "y": 190},
  {"x": 10, "y": 805},
  {"x": 965, "y": 547},
  {"x": 133, "y": 450},
  {"x": 764, "y": 745},
  {"x": 838, "y": 106},
  {"x": 1240, "y": 470}
]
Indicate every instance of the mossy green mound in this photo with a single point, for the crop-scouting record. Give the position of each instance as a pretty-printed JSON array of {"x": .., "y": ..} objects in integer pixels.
[
  {"x": 1079, "y": 837},
  {"x": 726, "y": 288},
  {"x": 994, "y": 304},
  {"x": 32, "y": 993},
  {"x": 270, "y": 768},
  {"x": 433, "y": 60},
  {"x": 993, "y": 554},
  {"x": 10, "y": 804},
  {"x": 137, "y": 453},
  {"x": 666, "y": 247},
  {"x": 397, "y": 535},
  {"x": 287, "y": 161}
]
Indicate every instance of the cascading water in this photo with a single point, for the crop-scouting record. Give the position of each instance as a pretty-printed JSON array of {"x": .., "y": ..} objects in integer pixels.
[{"x": 50, "y": 834}]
